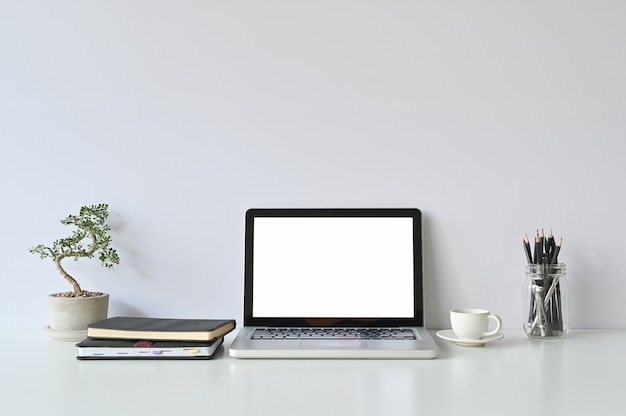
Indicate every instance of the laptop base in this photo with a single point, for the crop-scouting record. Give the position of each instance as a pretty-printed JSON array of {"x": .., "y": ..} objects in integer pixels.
[{"x": 245, "y": 347}]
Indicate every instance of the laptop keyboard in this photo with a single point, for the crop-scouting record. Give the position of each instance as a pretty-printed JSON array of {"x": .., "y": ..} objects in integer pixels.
[{"x": 334, "y": 333}]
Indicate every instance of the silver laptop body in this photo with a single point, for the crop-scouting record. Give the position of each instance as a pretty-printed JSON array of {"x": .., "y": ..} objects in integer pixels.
[{"x": 333, "y": 283}]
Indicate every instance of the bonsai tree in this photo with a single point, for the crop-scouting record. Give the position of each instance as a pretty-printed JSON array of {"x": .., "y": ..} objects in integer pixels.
[{"x": 91, "y": 226}]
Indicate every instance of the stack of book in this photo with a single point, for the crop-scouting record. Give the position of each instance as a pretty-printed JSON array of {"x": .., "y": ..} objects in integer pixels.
[{"x": 125, "y": 337}]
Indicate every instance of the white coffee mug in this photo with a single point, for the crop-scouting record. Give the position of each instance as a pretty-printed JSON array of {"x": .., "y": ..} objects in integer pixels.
[{"x": 472, "y": 324}]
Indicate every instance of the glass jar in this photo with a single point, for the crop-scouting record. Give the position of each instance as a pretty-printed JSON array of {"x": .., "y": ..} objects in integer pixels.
[{"x": 545, "y": 301}]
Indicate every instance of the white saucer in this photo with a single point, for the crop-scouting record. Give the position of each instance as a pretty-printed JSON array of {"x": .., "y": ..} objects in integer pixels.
[
  {"x": 58, "y": 335},
  {"x": 449, "y": 335}
]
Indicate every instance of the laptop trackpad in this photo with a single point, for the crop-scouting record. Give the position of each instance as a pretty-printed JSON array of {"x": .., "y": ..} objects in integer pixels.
[{"x": 332, "y": 344}]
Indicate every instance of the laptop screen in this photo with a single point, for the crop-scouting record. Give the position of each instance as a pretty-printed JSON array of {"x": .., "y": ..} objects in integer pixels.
[{"x": 333, "y": 267}]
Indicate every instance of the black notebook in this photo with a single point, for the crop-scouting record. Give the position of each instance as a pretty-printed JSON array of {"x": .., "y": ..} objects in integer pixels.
[
  {"x": 116, "y": 349},
  {"x": 156, "y": 329}
]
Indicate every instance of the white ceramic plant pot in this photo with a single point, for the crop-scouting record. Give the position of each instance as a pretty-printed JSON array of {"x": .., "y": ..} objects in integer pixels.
[{"x": 69, "y": 317}]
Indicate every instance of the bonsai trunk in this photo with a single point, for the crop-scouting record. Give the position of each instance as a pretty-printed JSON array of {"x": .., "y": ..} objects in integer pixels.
[{"x": 77, "y": 289}]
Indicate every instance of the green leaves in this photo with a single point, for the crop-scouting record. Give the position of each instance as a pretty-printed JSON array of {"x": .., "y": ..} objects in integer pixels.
[
  {"x": 109, "y": 257},
  {"x": 43, "y": 251},
  {"x": 89, "y": 239}
]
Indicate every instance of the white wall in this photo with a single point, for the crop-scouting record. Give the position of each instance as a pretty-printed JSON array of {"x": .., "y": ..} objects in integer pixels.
[{"x": 494, "y": 117}]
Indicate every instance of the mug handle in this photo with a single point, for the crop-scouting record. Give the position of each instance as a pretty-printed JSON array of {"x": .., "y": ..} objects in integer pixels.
[{"x": 498, "y": 325}]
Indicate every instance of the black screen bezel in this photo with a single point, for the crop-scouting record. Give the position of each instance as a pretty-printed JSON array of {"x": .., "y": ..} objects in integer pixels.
[{"x": 418, "y": 307}]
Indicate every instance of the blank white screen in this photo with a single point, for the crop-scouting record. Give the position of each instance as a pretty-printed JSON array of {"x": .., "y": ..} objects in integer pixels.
[{"x": 333, "y": 267}]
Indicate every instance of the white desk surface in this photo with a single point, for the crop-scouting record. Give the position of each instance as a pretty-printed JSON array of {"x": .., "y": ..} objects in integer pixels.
[{"x": 582, "y": 375}]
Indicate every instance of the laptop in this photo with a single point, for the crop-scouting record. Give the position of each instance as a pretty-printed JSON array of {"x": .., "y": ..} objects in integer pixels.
[{"x": 333, "y": 283}]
